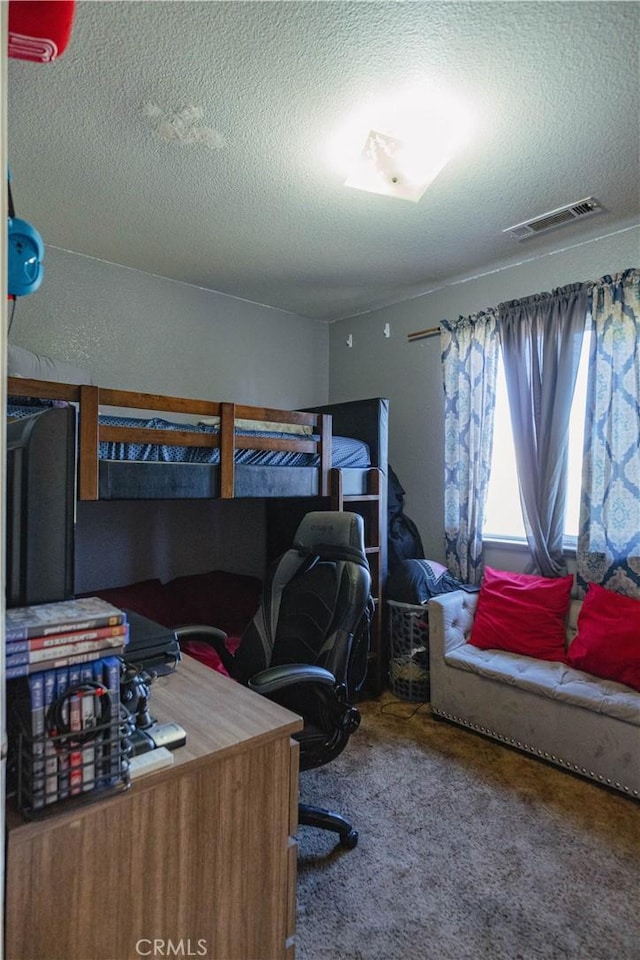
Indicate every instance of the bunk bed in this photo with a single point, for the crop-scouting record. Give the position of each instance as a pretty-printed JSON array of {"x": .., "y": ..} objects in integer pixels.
[{"x": 149, "y": 446}]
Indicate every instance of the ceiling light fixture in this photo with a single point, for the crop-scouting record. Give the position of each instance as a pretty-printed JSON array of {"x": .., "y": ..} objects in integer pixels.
[{"x": 397, "y": 147}]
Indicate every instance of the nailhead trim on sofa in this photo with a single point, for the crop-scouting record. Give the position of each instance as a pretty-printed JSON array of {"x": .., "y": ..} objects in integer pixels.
[{"x": 559, "y": 761}]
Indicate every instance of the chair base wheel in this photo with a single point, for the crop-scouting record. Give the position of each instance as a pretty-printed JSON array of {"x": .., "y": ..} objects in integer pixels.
[
  {"x": 349, "y": 840},
  {"x": 311, "y": 816}
]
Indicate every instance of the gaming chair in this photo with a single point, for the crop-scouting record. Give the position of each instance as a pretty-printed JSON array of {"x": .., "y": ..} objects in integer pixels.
[{"x": 307, "y": 645}]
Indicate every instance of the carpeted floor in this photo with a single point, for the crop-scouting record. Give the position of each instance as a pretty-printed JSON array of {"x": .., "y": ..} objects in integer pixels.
[{"x": 468, "y": 851}]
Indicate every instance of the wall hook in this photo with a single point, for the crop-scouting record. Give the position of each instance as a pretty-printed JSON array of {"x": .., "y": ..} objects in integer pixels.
[{"x": 349, "y": 340}]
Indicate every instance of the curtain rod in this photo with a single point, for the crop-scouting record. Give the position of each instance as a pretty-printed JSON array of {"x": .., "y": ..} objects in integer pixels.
[{"x": 423, "y": 334}]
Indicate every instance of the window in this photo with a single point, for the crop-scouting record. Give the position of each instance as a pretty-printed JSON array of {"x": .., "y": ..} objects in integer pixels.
[{"x": 503, "y": 513}]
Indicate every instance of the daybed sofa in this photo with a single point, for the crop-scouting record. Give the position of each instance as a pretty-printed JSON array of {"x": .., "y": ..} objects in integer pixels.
[{"x": 585, "y": 724}]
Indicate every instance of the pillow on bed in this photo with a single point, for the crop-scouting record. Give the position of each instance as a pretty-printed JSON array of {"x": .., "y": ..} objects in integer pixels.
[
  {"x": 201, "y": 651},
  {"x": 522, "y": 614},
  {"x": 221, "y": 599},
  {"x": 269, "y": 426},
  {"x": 607, "y": 643},
  {"x": 33, "y": 366}
]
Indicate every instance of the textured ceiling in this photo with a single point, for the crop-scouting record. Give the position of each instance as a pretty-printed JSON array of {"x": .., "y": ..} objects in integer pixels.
[{"x": 249, "y": 205}]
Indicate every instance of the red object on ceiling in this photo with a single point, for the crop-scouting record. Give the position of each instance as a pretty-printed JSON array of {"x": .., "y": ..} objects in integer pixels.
[{"x": 39, "y": 30}]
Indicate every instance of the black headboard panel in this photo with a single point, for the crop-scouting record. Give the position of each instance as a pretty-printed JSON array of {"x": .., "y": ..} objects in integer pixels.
[{"x": 366, "y": 420}]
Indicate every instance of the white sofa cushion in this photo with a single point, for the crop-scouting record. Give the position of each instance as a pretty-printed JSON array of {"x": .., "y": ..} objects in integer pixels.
[{"x": 551, "y": 679}]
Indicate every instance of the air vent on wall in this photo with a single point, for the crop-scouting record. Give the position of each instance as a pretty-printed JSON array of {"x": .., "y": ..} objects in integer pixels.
[{"x": 555, "y": 218}]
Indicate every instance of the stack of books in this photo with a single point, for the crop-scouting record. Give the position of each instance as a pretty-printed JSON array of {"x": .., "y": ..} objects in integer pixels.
[{"x": 69, "y": 737}]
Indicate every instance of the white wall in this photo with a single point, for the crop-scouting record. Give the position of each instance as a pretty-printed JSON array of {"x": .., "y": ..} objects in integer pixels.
[
  {"x": 134, "y": 331},
  {"x": 409, "y": 374}
]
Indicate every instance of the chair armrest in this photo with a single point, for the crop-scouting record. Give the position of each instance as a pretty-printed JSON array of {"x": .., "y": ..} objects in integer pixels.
[
  {"x": 201, "y": 631},
  {"x": 450, "y": 621},
  {"x": 273, "y": 679},
  {"x": 207, "y": 634}
]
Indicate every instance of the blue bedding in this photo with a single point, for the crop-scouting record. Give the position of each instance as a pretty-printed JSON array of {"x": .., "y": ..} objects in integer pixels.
[{"x": 345, "y": 451}]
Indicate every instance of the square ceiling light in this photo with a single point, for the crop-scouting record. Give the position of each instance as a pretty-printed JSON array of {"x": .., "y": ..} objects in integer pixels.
[
  {"x": 386, "y": 166},
  {"x": 398, "y": 147}
]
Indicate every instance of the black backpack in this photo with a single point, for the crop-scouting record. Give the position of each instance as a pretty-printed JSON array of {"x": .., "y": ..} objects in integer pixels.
[{"x": 404, "y": 542}]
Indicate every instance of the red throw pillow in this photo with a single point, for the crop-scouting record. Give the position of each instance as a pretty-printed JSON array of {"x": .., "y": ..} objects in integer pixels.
[
  {"x": 522, "y": 613},
  {"x": 607, "y": 643},
  {"x": 200, "y": 650}
]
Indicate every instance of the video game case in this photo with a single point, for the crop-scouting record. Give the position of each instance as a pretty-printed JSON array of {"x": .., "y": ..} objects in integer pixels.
[
  {"x": 37, "y": 786},
  {"x": 75, "y": 726},
  {"x": 63, "y": 616},
  {"x": 112, "y": 667},
  {"x": 63, "y": 650},
  {"x": 62, "y": 684},
  {"x": 60, "y": 639},
  {"x": 89, "y": 719},
  {"x": 50, "y": 753},
  {"x": 24, "y": 669},
  {"x": 102, "y": 744}
]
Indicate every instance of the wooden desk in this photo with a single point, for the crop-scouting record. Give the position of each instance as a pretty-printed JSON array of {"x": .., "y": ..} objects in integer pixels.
[{"x": 200, "y": 853}]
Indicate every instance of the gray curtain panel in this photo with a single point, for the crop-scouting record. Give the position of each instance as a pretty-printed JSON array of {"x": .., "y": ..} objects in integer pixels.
[{"x": 541, "y": 338}]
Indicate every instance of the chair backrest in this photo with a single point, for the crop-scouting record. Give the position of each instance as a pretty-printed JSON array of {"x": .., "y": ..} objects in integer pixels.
[{"x": 314, "y": 598}]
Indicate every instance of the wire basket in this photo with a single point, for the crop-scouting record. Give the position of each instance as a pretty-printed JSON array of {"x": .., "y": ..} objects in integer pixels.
[
  {"x": 409, "y": 651},
  {"x": 47, "y": 770}
]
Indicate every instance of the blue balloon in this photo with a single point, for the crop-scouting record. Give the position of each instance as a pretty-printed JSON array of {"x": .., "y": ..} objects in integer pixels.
[{"x": 26, "y": 253}]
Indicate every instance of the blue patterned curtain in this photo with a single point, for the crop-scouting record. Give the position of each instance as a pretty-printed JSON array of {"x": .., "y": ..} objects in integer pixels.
[
  {"x": 609, "y": 540},
  {"x": 469, "y": 363}
]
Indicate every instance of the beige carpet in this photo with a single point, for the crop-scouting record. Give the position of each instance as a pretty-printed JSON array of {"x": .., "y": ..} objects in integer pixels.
[{"x": 468, "y": 851}]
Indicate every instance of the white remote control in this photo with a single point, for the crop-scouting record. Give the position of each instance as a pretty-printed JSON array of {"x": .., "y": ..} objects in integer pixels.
[{"x": 149, "y": 762}]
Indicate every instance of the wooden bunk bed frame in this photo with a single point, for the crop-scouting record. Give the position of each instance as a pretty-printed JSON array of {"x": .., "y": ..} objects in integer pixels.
[
  {"x": 91, "y": 432},
  {"x": 369, "y": 498}
]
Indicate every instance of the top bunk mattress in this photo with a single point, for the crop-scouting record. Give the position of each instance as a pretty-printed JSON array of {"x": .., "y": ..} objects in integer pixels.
[{"x": 345, "y": 451}]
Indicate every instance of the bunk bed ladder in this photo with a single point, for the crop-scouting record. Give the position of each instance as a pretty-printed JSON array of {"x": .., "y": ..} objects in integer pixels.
[
  {"x": 88, "y": 443},
  {"x": 326, "y": 432},
  {"x": 369, "y": 506},
  {"x": 227, "y": 451}
]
